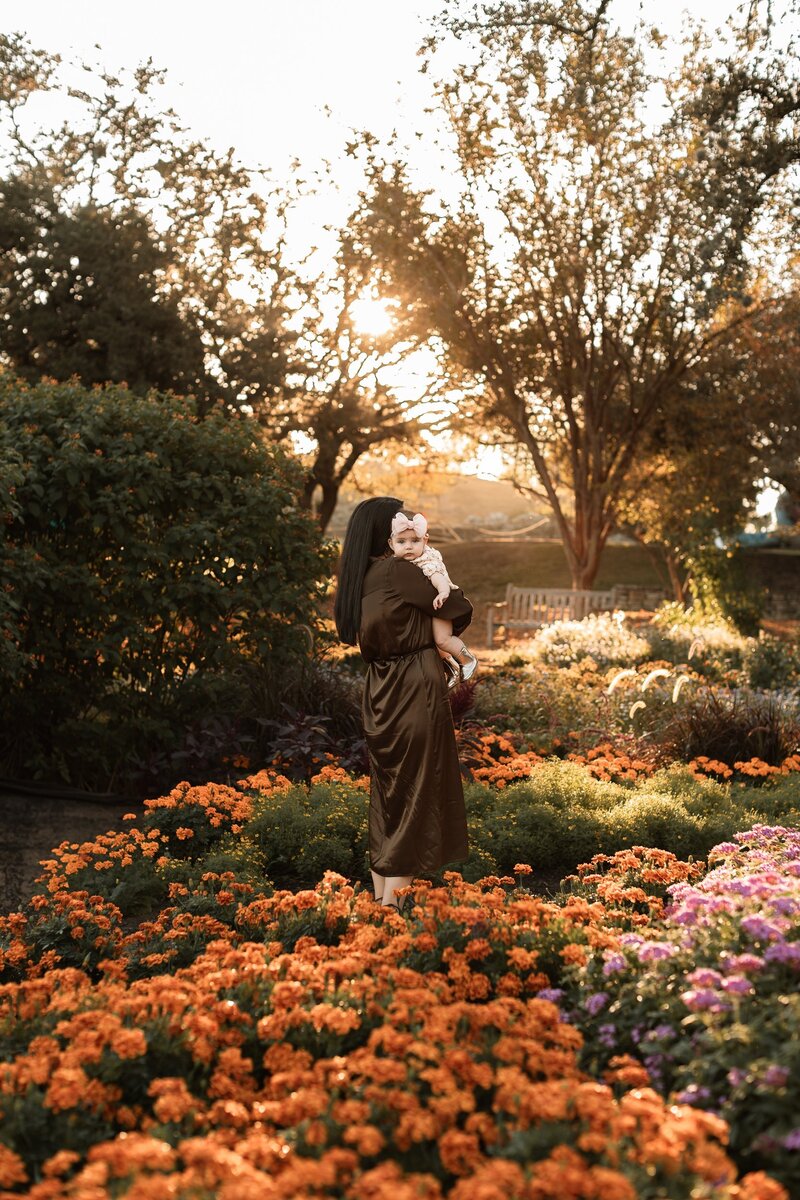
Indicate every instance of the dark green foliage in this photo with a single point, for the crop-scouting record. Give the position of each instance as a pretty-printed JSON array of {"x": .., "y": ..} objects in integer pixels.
[
  {"x": 732, "y": 727},
  {"x": 771, "y": 662},
  {"x": 80, "y": 297},
  {"x": 318, "y": 719},
  {"x": 147, "y": 559},
  {"x": 718, "y": 580}
]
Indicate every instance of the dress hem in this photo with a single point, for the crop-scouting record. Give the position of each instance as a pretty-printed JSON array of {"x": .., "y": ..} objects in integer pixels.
[{"x": 393, "y": 872}]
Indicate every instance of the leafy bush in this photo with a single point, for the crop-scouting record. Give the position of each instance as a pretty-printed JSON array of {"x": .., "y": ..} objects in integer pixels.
[
  {"x": 712, "y": 644},
  {"x": 603, "y": 637},
  {"x": 149, "y": 556},
  {"x": 707, "y": 999},
  {"x": 721, "y": 588},
  {"x": 544, "y": 703},
  {"x": 302, "y": 832},
  {"x": 771, "y": 662}
]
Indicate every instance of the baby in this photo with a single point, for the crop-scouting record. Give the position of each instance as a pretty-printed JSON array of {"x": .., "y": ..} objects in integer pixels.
[{"x": 410, "y": 540}]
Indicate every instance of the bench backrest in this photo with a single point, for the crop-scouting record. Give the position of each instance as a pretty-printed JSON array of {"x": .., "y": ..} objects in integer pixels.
[{"x": 543, "y": 605}]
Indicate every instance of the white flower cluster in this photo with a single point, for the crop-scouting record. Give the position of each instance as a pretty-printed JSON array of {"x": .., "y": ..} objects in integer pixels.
[{"x": 603, "y": 637}]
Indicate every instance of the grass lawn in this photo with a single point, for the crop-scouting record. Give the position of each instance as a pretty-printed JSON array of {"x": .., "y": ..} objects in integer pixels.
[{"x": 483, "y": 568}]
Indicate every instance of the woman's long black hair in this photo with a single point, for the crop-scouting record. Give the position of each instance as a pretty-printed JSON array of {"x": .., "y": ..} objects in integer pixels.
[{"x": 367, "y": 536}]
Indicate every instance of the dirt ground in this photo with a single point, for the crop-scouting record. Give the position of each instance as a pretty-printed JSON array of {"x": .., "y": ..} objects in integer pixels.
[{"x": 30, "y": 826}]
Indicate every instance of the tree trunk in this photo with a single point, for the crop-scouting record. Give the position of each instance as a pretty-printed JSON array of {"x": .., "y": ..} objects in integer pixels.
[
  {"x": 307, "y": 493},
  {"x": 327, "y": 504},
  {"x": 677, "y": 583},
  {"x": 583, "y": 545}
]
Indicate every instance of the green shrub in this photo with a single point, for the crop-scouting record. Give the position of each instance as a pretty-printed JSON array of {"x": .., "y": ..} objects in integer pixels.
[
  {"x": 561, "y": 816},
  {"x": 557, "y": 818},
  {"x": 707, "y": 640},
  {"x": 300, "y": 833},
  {"x": 721, "y": 587},
  {"x": 543, "y": 702},
  {"x": 771, "y": 662},
  {"x": 150, "y": 557}
]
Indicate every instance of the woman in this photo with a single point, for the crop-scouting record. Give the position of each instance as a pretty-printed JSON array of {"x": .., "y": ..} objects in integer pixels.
[{"x": 417, "y": 820}]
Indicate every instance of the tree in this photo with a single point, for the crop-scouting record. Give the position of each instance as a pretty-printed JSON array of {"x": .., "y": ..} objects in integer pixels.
[
  {"x": 132, "y": 251},
  {"x": 694, "y": 478},
  {"x": 589, "y": 260},
  {"x": 79, "y": 296},
  {"x": 339, "y": 397},
  {"x": 734, "y": 424}
]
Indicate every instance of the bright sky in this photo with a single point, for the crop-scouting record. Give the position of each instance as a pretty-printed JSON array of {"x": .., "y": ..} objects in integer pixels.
[{"x": 258, "y": 74}]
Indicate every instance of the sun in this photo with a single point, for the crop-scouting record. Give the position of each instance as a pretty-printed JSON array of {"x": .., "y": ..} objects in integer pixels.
[{"x": 371, "y": 316}]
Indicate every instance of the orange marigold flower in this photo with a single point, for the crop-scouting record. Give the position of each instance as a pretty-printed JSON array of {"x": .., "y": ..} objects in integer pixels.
[
  {"x": 625, "y": 1069},
  {"x": 59, "y": 1163},
  {"x": 460, "y": 1152},
  {"x": 12, "y": 1168},
  {"x": 757, "y": 1185},
  {"x": 367, "y": 1140},
  {"x": 129, "y": 1043},
  {"x": 173, "y": 1100},
  {"x": 67, "y": 1087},
  {"x": 574, "y": 954}
]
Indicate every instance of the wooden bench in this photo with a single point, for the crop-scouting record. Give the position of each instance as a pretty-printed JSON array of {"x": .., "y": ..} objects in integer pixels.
[{"x": 531, "y": 608}]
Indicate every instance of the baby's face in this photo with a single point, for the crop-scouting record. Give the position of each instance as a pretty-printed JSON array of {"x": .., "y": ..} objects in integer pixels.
[{"x": 408, "y": 544}]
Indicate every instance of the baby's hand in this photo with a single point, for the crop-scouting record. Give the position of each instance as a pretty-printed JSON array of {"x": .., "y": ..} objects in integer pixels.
[{"x": 439, "y": 599}]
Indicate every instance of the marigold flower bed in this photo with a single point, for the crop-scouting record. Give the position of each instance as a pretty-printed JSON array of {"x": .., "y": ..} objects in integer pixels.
[{"x": 313, "y": 1044}]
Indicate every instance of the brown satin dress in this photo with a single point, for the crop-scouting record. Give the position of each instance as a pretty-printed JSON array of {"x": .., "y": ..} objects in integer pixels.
[{"x": 417, "y": 821}]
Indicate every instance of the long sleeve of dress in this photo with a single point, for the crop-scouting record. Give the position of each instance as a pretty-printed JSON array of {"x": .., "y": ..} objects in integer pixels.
[{"x": 412, "y": 587}]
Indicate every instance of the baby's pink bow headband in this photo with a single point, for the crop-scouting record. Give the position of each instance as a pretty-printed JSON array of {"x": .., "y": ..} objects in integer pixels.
[{"x": 400, "y": 522}]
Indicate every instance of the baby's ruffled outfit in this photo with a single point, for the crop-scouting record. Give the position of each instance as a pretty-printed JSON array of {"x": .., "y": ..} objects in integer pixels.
[
  {"x": 464, "y": 664},
  {"x": 430, "y": 562}
]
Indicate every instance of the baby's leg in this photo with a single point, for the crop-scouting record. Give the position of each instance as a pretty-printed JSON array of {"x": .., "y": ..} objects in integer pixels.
[
  {"x": 449, "y": 645},
  {"x": 444, "y": 638}
]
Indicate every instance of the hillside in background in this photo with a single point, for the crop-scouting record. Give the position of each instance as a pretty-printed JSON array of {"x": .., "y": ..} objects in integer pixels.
[{"x": 447, "y": 498}]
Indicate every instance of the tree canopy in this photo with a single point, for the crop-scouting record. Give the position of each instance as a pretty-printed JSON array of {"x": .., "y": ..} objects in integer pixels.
[
  {"x": 133, "y": 252},
  {"x": 589, "y": 258}
]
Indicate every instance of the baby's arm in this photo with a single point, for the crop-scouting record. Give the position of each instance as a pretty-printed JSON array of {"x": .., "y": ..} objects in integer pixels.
[
  {"x": 431, "y": 563},
  {"x": 442, "y": 585}
]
